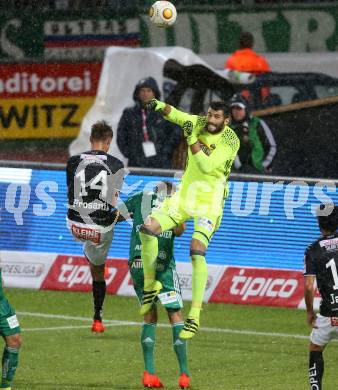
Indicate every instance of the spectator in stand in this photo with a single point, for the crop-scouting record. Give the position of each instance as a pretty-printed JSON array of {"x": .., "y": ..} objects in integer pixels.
[
  {"x": 143, "y": 136},
  {"x": 257, "y": 144},
  {"x": 245, "y": 59}
]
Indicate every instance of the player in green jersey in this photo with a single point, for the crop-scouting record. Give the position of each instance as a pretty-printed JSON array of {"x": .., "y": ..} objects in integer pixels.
[
  {"x": 10, "y": 331},
  {"x": 139, "y": 207},
  {"x": 212, "y": 148}
]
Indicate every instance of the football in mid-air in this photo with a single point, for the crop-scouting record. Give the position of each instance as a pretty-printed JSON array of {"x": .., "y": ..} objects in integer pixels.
[{"x": 163, "y": 13}]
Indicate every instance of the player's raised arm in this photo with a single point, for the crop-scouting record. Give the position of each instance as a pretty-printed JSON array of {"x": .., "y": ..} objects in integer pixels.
[
  {"x": 209, "y": 163},
  {"x": 222, "y": 156},
  {"x": 127, "y": 209},
  {"x": 171, "y": 113}
]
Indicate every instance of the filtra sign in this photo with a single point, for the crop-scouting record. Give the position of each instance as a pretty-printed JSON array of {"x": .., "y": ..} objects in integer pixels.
[
  {"x": 45, "y": 100},
  {"x": 37, "y": 80},
  {"x": 31, "y": 83}
]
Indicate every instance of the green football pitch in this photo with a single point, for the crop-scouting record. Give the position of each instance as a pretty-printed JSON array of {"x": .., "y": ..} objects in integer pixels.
[{"x": 238, "y": 347}]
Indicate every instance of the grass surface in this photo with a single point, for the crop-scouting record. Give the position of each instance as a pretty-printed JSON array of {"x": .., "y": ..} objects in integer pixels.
[{"x": 240, "y": 352}]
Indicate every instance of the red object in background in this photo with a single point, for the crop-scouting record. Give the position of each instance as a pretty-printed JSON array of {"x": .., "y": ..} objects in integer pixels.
[
  {"x": 49, "y": 80},
  {"x": 247, "y": 60},
  {"x": 72, "y": 273},
  {"x": 266, "y": 287}
]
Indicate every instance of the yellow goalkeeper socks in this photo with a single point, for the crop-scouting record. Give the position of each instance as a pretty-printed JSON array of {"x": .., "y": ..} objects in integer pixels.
[
  {"x": 199, "y": 281},
  {"x": 149, "y": 254}
]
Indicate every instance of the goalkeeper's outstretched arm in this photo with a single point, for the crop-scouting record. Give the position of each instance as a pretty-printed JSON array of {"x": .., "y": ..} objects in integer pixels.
[
  {"x": 171, "y": 113},
  {"x": 161, "y": 107}
]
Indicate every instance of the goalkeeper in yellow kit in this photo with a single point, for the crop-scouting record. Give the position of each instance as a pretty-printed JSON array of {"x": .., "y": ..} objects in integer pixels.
[{"x": 212, "y": 148}]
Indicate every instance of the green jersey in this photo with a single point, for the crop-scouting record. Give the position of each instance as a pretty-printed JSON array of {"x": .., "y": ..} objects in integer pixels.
[
  {"x": 141, "y": 205},
  {"x": 209, "y": 169}
]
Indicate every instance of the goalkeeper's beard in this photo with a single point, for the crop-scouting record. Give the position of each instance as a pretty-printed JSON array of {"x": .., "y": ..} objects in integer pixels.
[{"x": 214, "y": 129}]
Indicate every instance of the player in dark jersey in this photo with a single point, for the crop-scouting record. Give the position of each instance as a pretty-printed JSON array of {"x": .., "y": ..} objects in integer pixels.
[
  {"x": 139, "y": 206},
  {"x": 321, "y": 264},
  {"x": 94, "y": 179}
]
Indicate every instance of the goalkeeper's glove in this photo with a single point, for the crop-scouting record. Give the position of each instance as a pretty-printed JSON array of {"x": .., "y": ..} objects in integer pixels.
[
  {"x": 155, "y": 105},
  {"x": 189, "y": 134}
]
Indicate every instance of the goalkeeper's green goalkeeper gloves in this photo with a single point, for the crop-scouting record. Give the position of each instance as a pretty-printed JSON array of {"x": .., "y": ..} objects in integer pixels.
[
  {"x": 155, "y": 105},
  {"x": 189, "y": 134}
]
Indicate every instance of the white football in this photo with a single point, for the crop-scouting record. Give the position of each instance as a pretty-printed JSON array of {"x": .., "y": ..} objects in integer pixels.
[{"x": 163, "y": 13}]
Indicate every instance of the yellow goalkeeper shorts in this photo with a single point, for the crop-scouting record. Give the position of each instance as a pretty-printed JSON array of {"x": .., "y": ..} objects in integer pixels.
[{"x": 173, "y": 212}]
